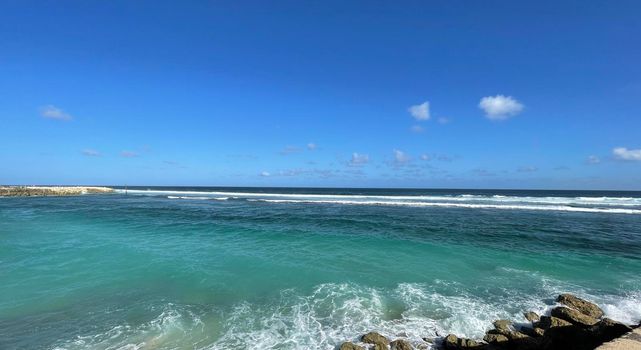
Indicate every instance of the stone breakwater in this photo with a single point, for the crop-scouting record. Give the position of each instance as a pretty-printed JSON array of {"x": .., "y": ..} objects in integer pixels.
[
  {"x": 575, "y": 324},
  {"x": 29, "y": 191}
]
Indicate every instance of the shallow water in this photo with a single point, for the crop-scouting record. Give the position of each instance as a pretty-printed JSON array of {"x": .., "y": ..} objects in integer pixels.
[{"x": 212, "y": 268}]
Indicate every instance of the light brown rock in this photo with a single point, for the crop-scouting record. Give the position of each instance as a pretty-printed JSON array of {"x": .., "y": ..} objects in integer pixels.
[
  {"x": 548, "y": 322},
  {"x": 573, "y": 316},
  {"x": 350, "y": 346},
  {"x": 531, "y": 316},
  {"x": 581, "y": 305},
  {"x": 494, "y": 338},
  {"x": 374, "y": 338},
  {"x": 400, "y": 344}
]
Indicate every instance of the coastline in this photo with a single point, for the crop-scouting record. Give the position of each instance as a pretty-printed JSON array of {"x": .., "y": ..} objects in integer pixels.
[{"x": 41, "y": 191}]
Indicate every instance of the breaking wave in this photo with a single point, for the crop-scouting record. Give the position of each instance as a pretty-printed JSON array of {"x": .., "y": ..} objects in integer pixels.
[
  {"x": 336, "y": 312},
  {"x": 612, "y": 205}
]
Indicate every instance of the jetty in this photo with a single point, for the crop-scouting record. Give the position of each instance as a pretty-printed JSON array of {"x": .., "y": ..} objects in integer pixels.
[{"x": 31, "y": 191}]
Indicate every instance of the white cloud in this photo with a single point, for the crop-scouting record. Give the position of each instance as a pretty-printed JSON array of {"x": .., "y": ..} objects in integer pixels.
[
  {"x": 359, "y": 159},
  {"x": 593, "y": 160},
  {"x": 500, "y": 107},
  {"x": 400, "y": 157},
  {"x": 264, "y": 174},
  {"x": 53, "y": 112},
  {"x": 129, "y": 154},
  {"x": 311, "y": 146},
  {"x": 417, "y": 128},
  {"x": 426, "y": 157},
  {"x": 443, "y": 120},
  {"x": 420, "y": 112},
  {"x": 91, "y": 153},
  {"x": 623, "y": 153}
]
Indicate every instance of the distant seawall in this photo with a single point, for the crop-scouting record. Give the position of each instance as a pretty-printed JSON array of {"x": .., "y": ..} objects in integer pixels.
[{"x": 29, "y": 191}]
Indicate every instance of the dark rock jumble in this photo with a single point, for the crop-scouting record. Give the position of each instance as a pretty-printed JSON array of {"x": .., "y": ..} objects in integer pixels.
[{"x": 578, "y": 325}]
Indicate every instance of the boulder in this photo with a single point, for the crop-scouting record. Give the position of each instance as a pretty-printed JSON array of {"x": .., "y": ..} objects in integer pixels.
[
  {"x": 502, "y": 325},
  {"x": 450, "y": 342},
  {"x": 533, "y": 332},
  {"x": 350, "y": 346},
  {"x": 514, "y": 335},
  {"x": 374, "y": 338},
  {"x": 573, "y": 316},
  {"x": 607, "y": 329},
  {"x": 569, "y": 338},
  {"x": 400, "y": 344},
  {"x": 585, "y": 307},
  {"x": 494, "y": 338},
  {"x": 548, "y": 322},
  {"x": 379, "y": 346},
  {"x": 532, "y": 316}
]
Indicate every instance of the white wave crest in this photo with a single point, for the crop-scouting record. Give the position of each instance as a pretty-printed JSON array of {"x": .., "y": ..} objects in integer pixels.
[
  {"x": 618, "y": 205},
  {"x": 463, "y": 205}
]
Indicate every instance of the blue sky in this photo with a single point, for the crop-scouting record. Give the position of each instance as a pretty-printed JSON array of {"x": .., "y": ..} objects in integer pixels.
[{"x": 463, "y": 94}]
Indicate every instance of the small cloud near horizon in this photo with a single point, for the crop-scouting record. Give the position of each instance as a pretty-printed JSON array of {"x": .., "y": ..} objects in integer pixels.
[
  {"x": 290, "y": 150},
  {"x": 400, "y": 157},
  {"x": 527, "y": 169},
  {"x": 500, "y": 107},
  {"x": 358, "y": 159},
  {"x": 311, "y": 146},
  {"x": 420, "y": 111},
  {"x": 417, "y": 129},
  {"x": 264, "y": 173},
  {"x": 129, "y": 154},
  {"x": 593, "y": 159},
  {"x": 53, "y": 112},
  {"x": 91, "y": 153},
  {"x": 623, "y": 153}
]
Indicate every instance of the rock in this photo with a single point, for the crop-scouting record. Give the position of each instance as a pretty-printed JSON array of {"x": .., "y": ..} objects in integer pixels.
[
  {"x": 494, "y": 338},
  {"x": 533, "y": 332},
  {"x": 400, "y": 344},
  {"x": 532, "y": 316},
  {"x": 585, "y": 307},
  {"x": 573, "y": 316},
  {"x": 502, "y": 325},
  {"x": 379, "y": 346},
  {"x": 467, "y": 343},
  {"x": 570, "y": 338},
  {"x": 548, "y": 322},
  {"x": 374, "y": 338},
  {"x": 514, "y": 335},
  {"x": 450, "y": 342},
  {"x": 350, "y": 346},
  {"x": 607, "y": 329}
]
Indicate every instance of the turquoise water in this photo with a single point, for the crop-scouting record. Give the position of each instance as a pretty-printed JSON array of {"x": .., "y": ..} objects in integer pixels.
[{"x": 207, "y": 268}]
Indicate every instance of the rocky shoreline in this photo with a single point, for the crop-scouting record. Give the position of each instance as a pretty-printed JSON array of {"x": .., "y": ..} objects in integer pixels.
[
  {"x": 30, "y": 191},
  {"x": 576, "y": 324}
]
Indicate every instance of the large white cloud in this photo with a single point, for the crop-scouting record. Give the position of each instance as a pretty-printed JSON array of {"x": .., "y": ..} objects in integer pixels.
[
  {"x": 420, "y": 112},
  {"x": 53, "y": 112},
  {"x": 627, "y": 154},
  {"x": 500, "y": 107}
]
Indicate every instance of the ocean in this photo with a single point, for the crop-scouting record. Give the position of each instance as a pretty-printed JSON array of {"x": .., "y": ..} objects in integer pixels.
[{"x": 299, "y": 268}]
